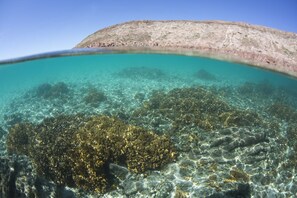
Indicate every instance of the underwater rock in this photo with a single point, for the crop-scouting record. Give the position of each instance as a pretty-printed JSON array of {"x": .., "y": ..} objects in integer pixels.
[
  {"x": 117, "y": 171},
  {"x": 205, "y": 75},
  {"x": 164, "y": 189},
  {"x": 52, "y": 91},
  {"x": 242, "y": 191},
  {"x": 94, "y": 97},
  {"x": 246, "y": 139},
  {"x": 7, "y": 178},
  {"x": 254, "y": 141},
  {"x": 17, "y": 179},
  {"x": 142, "y": 73},
  {"x": 76, "y": 151}
]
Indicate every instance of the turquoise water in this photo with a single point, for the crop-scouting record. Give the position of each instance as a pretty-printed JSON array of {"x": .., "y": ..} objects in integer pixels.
[{"x": 248, "y": 147}]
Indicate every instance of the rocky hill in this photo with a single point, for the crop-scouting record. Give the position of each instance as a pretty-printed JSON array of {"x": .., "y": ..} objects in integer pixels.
[{"x": 239, "y": 42}]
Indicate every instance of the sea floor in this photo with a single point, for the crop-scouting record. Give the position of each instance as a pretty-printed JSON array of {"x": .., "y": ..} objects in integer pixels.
[{"x": 233, "y": 137}]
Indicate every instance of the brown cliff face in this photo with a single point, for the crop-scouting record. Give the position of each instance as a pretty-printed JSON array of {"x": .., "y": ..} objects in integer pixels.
[{"x": 255, "y": 45}]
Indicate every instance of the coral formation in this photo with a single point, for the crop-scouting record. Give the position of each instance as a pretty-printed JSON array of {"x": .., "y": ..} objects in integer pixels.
[
  {"x": 196, "y": 106},
  {"x": 94, "y": 97},
  {"x": 138, "y": 149},
  {"x": 7, "y": 176},
  {"x": 205, "y": 75},
  {"x": 51, "y": 147},
  {"x": 243, "y": 191},
  {"x": 76, "y": 151},
  {"x": 49, "y": 91},
  {"x": 141, "y": 73}
]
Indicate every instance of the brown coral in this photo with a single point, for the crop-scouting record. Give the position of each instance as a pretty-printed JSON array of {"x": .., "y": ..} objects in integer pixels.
[
  {"x": 76, "y": 151},
  {"x": 114, "y": 141},
  {"x": 52, "y": 91}
]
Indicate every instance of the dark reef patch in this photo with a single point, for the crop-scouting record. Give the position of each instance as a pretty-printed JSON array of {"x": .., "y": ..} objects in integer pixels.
[
  {"x": 260, "y": 89},
  {"x": 205, "y": 75},
  {"x": 48, "y": 91},
  {"x": 94, "y": 97},
  {"x": 142, "y": 73}
]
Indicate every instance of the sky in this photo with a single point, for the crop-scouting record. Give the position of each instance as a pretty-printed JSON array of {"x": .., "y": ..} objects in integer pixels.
[{"x": 29, "y": 27}]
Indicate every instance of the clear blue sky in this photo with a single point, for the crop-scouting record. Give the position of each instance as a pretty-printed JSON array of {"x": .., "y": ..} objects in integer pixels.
[{"x": 36, "y": 26}]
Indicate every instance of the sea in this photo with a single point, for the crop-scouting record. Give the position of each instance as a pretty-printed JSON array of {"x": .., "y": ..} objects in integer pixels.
[{"x": 232, "y": 128}]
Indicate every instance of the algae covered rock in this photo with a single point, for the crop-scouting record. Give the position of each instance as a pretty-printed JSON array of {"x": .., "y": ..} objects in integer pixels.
[{"x": 76, "y": 151}]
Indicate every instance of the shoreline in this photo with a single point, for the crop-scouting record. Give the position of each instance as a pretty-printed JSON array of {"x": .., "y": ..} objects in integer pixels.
[{"x": 231, "y": 41}]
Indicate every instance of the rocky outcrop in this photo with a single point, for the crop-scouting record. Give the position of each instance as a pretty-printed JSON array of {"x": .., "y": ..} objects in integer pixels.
[{"x": 239, "y": 42}]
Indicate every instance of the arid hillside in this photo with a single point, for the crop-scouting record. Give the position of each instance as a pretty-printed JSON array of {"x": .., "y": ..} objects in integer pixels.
[{"x": 239, "y": 42}]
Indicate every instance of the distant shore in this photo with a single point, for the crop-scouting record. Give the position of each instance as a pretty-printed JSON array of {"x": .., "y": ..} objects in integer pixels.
[{"x": 232, "y": 41}]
